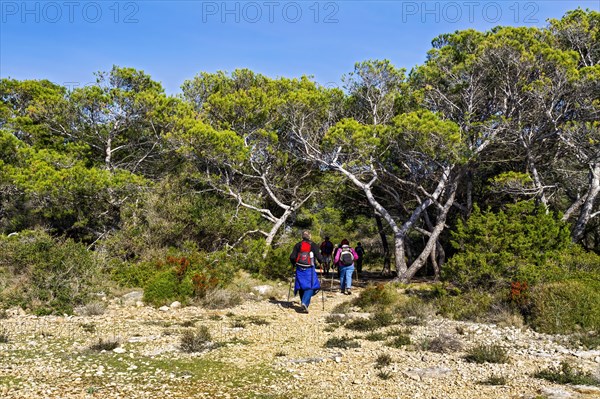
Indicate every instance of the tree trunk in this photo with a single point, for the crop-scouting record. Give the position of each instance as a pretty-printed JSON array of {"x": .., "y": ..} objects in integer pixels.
[
  {"x": 431, "y": 242},
  {"x": 108, "y": 154},
  {"x": 441, "y": 259},
  {"x": 537, "y": 182},
  {"x": 399, "y": 253},
  {"x": 434, "y": 264},
  {"x": 274, "y": 230},
  {"x": 590, "y": 198},
  {"x": 469, "y": 192},
  {"x": 386, "y": 247}
]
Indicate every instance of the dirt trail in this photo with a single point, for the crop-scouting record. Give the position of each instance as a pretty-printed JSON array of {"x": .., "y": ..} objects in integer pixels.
[{"x": 268, "y": 349}]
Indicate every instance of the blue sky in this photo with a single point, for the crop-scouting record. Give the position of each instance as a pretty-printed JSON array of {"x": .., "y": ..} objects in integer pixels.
[{"x": 65, "y": 41}]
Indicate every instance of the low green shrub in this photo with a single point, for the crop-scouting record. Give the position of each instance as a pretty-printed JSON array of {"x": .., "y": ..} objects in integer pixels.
[
  {"x": 190, "y": 275},
  {"x": 444, "y": 343},
  {"x": 471, "y": 305},
  {"x": 566, "y": 307},
  {"x": 277, "y": 264},
  {"x": 375, "y": 336},
  {"x": 383, "y": 360},
  {"x": 414, "y": 311},
  {"x": 377, "y": 320},
  {"x": 487, "y": 354},
  {"x": 494, "y": 380},
  {"x": 220, "y": 298},
  {"x": 162, "y": 289},
  {"x": 342, "y": 342},
  {"x": 104, "y": 345},
  {"x": 47, "y": 275},
  {"x": 4, "y": 338},
  {"x": 385, "y": 375},
  {"x": 590, "y": 340},
  {"x": 567, "y": 374},
  {"x": 195, "y": 340},
  {"x": 377, "y": 295},
  {"x": 399, "y": 341}
]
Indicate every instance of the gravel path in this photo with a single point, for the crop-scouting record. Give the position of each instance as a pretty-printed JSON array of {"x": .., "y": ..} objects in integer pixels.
[{"x": 268, "y": 350}]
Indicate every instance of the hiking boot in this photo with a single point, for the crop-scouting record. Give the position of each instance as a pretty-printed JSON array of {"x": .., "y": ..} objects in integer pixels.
[
  {"x": 304, "y": 308},
  {"x": 348, "y": 292}
]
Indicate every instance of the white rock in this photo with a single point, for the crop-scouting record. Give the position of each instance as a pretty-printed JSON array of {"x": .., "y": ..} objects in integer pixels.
[
  {"x": 133, "y": 296},
  {"x": 262, "y": 289},
  {"x": 338, "y": 359},
  {"x": 15, "y": 311},
  {"x": 175, "y": 305},
  {"x": 119, "y": 350},
  {"x": 556, "y": 393},
  {"x": 587, "y": 390},
  {"x": 164, "y": 308},
  {"x": 412, "y": 375},
  {"x": 139, "y": 304},
  {"x": 588, "y": 354}
]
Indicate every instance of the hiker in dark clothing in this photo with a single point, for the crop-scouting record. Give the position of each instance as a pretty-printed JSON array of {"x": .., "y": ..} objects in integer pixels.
[
  {"x": 326, "y": 252},
  {"x": 304, "y": 257},
  {"x": 359, "y": 262}
]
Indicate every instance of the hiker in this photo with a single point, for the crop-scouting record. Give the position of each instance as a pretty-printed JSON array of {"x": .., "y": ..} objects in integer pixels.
[
  {"x": 303, "y": 258},
  {"x": 344, "y": 259},
  {"x": 326, "y": 251},
  {"x": 359, "y": 262}
]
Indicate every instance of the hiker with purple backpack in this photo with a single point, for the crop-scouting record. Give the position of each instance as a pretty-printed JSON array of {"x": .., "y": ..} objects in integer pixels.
[{"x": 344, "y": 259}]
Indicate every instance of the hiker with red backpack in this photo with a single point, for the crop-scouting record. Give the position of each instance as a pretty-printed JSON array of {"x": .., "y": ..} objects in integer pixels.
[
  {"x": 304, "y": 257},
  {"x": 344, "y": 259}
]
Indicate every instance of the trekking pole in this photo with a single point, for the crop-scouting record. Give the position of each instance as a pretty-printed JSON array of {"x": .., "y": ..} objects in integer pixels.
[
  {"x": 332, "y": 272},
  {"x": 290, "y": 289},
  {"x": 356, "y": 271},
  {"x": 322, "y": 293}
]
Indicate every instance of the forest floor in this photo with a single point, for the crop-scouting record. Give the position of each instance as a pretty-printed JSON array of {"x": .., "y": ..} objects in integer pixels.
[{"x": 267, "y": 348}]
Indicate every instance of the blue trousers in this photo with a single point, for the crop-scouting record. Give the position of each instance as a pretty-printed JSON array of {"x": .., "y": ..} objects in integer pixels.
[
  {"x": 305, "y": 296},
  {"x": 346, "y": 277}
]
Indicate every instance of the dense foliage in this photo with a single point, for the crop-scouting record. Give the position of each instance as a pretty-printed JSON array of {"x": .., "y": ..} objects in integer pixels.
[{"x": 480, "y": 166}]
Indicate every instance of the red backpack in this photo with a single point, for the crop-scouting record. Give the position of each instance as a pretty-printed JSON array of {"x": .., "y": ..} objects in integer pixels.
[{"x": 304, "y": 259}]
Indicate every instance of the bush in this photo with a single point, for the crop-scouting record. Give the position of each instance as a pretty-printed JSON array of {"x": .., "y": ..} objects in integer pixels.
[
  {"x": 587, "y": 340},
  {"x": 220, "y": 298},
  {"x": 472, "y": 305},
  {"x": 377, "y": 320},
  {"x": 341, "y": 342},
  {"x": 566, "y": 374},
  {"x": 487, "y": 354},
  {"x": 375, "y": 336},
  {"x": 188, "y": 275},
  {"x": 162, "y": 289},
  {"x": 91, "y": 309},
  {"x": 378, "y": 295},
  {"x": 277, "y": 264},
  {"x": 195, "y": 340},
  {"x": 444, "y": 343},
  {"x": 494, "y": 380},
  {"x": 414, "y": 311},
  {"x": 4, "y": 338},
  {"x": 103, "y": 345},
  {"x": 399, "y": 341},
  {"x": 384, "y": 375},
  {"x": 383, "y": 360},
  {"x": 515, "y": 244},
  {"x": 566, "y": 307},
  {"x": 47, "y": 275}
]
